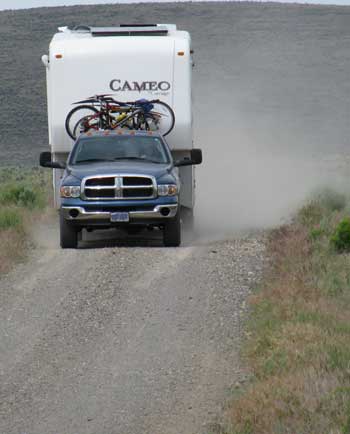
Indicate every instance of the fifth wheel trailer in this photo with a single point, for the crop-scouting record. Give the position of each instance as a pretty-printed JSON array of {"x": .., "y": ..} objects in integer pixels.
[{"x": 130, "y": 62}]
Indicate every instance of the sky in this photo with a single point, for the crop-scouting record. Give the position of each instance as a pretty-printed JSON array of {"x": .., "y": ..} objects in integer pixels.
[{"x": 23, "y": 4}]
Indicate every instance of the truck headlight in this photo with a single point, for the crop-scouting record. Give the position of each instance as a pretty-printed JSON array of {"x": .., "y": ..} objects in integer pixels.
[
  {"x": 167, "y": 190},
  {"x": 70, "y": 191}
]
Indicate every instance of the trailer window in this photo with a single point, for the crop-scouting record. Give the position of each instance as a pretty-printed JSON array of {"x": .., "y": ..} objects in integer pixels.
[{"x": 112, "y": 148}]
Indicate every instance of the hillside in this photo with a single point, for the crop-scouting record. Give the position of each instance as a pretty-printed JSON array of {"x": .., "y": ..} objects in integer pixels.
[{"x": 282, "y": 68}]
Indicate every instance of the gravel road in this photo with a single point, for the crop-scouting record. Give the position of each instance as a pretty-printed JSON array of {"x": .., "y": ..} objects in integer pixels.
[{"x": 123, "y": 338}]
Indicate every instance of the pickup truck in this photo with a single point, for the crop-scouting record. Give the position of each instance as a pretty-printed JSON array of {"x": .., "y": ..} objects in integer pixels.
[{"x": 120, "y": 178}]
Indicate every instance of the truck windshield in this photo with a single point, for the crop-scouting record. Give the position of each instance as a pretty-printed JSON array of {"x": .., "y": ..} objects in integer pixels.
[{"x": 112, "y": 148}]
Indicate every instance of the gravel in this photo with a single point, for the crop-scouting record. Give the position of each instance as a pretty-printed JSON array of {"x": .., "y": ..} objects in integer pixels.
[{"x": 129, "y": 339}]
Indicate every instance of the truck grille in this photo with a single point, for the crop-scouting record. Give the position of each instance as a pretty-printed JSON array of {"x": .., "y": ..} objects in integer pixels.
[{"x": 120, "y": 187}]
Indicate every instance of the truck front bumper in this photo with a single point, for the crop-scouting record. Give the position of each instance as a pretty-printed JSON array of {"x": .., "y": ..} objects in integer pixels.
[{"x": 80, "y": 215}]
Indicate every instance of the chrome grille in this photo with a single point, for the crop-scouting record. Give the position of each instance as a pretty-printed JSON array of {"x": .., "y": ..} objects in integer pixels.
[{"x": 120, "y": 187}]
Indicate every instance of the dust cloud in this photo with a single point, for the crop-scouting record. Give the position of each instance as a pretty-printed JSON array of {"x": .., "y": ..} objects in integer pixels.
[
  {"x": 247, "y": 183},
  {"x": 271, "y": 108}
]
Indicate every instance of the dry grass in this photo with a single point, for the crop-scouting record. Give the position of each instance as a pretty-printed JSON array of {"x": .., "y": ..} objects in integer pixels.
[
  {"x": 23, "y": 197},
  {"x": 299, "y": 333},
  {"x": 11, "y": 248}
]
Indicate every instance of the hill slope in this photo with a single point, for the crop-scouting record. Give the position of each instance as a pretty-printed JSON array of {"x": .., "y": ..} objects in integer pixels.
[{"x": 282, "y": 68}]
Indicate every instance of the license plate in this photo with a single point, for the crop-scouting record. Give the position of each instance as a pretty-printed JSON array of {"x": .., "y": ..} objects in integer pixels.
[{"x": 119, "y": 217}]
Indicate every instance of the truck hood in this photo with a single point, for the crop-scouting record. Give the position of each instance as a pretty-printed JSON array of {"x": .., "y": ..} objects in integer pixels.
[{"x": 119, "y": 168}]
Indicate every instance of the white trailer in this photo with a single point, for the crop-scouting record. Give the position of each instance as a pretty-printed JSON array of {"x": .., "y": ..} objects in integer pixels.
[{"x": 152, "y": 61}]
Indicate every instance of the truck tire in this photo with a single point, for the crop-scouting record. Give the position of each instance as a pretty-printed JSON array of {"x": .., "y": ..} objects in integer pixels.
[
  {"x": 68, "y": 234},
  {"x": 172, "y": 232}
]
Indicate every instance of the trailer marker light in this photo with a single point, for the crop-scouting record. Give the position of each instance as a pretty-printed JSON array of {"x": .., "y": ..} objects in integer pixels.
[
  {"x": 58, "y": 56},
  {"x": 180, "y": 53}
]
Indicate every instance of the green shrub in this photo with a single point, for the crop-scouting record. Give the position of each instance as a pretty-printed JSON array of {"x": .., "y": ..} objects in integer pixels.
[
  {"x": 10, "y": 218},
  {"x": 341, "y": 237},
  {"x": 21, "y": 195},
  {"x": 316, "y": 233}
]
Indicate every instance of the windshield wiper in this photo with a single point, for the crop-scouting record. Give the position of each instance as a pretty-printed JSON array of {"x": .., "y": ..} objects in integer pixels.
[
  {"x": 138, "y": 158},
  {"x": 92, "y": 160}
]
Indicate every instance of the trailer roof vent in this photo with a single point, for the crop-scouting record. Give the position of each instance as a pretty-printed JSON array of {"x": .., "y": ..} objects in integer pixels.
[
  {"x": 140, "y": 30},
  {"x": 138, "y": 25}
]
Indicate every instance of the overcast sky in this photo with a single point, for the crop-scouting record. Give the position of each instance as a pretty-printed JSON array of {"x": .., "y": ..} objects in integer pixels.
[{"x": 23, "y": 4}]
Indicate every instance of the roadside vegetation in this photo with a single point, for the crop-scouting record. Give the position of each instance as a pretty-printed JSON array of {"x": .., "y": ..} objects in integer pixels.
[
  {"x": 24, "y": 194},
  {"x": 298, "y": 338}
]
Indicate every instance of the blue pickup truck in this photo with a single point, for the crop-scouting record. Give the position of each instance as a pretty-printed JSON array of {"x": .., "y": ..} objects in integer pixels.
[{"x": 120, "y": 178}]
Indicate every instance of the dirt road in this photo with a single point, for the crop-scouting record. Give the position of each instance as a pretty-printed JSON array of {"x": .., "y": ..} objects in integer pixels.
[{"x": 123, "y": 339}]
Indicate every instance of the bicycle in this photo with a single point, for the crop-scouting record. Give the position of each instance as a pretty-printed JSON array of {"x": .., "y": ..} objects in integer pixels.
[{"x": 142, "y": 114}]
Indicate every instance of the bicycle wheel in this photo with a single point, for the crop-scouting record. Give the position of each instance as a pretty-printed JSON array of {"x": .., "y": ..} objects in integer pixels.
[
  {"x": 85, "y": 124},
  {"x": 162, "y": 118},
  {"x": 76, "y": 115},
  {"x": 146, "y": 122}
]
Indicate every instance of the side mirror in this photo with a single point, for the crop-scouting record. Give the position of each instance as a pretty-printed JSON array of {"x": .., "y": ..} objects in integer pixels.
[
  {"x": 196, "y": 158},
  {"x": 46, "y": 161}
]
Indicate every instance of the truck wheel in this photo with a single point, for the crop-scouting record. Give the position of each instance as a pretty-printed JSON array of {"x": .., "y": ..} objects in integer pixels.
[
  {"x": 172, "y": 232},
  {"x": 68, "y": 234}
]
